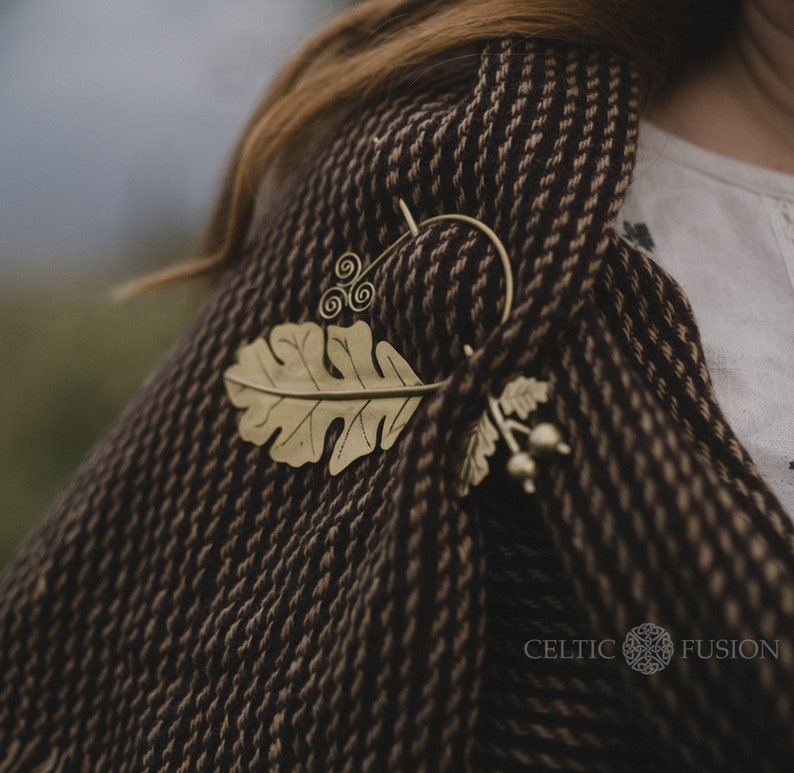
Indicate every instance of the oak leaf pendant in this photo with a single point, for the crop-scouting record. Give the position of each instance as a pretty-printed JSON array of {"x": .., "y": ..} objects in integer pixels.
[{"x": 287, "y": 391}]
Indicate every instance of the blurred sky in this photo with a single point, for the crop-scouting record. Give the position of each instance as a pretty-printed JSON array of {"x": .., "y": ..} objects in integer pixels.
[{"x": 116, "y": 117}]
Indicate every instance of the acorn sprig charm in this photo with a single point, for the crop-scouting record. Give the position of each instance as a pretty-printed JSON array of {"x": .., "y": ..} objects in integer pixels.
[
  {"x": 544, "y": 440},
  {"x": 519, "y": 398}
]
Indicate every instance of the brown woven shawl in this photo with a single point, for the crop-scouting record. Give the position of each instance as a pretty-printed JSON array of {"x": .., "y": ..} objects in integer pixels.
[{"x": 190, "y": 604}]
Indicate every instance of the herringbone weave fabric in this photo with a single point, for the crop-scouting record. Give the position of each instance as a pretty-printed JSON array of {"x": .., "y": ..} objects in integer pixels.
[{"x": 190, "y": 604}]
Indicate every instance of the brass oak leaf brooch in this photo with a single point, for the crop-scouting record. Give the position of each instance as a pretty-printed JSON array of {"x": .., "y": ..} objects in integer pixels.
[{"x": 286, "y": 390}]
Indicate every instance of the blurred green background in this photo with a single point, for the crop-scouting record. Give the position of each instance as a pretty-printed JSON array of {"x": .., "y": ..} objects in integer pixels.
[
  {"x": 117, "y": 122},
  {"x": 70, "y": 358}
]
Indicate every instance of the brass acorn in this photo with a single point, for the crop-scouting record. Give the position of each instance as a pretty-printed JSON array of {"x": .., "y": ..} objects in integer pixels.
[
  {"x": 521, "y": 467},
  {"x": 545, "y": 439}
]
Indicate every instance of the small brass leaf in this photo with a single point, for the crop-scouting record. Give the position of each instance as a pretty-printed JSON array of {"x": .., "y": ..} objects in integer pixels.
[
  {"x": 522, "y": 395},
  {"x": 477, "y": 443},
  {"x": 285, "y": 388}
]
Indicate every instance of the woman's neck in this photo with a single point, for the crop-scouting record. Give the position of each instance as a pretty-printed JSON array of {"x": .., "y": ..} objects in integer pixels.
[{"x": 742, "y": 104}]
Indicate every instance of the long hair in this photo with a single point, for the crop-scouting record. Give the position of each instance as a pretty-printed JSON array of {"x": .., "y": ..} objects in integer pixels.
[{"x": 375, "y": 43}]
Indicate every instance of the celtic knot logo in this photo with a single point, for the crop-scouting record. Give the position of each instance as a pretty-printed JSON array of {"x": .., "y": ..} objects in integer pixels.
[{"x": 648, "y": 648}]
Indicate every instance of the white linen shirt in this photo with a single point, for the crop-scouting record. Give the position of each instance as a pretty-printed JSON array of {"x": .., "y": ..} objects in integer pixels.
[{"x": 724, "y": 229}]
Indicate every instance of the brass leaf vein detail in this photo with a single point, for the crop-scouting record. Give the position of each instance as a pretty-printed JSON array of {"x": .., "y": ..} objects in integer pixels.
[{"x": 286, "y": 390}]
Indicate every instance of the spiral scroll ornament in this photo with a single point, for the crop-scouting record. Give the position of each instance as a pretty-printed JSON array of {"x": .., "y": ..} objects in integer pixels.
[
  {"x": 350, "y": 291},
  {"x": 333, "y": 300}
]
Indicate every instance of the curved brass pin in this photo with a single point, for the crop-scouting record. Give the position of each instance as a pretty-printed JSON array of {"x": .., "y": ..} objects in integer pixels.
[{"x": 356, "y": 292}]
